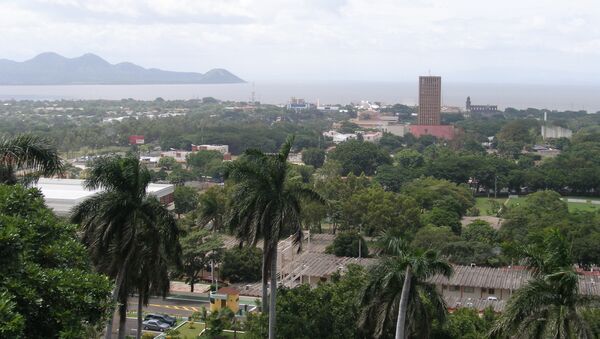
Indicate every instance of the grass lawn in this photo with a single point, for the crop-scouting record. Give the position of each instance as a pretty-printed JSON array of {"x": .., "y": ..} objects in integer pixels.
[
  {"x": 578, "y": 206},
  {"x": 483, "y": 204},
  {"x": 230, "y": 335},
  {"x": 186, "y": 332}
]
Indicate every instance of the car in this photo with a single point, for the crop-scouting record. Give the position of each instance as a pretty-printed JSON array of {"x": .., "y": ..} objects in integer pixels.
[
  {"x": 163, "y": 318},
  {"x": 155, "y": 325}
]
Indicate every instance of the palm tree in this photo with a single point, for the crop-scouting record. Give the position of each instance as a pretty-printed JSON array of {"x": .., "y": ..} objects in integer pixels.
[
  {"x": 28, "y": 155},
  {"x": 123, "y": 226},
  {"x": 398, "y": 287},
  {"x": 550, "y": 305},
  {"x": 265, "y": 204},
  {"x": 159, "y": 250},
  {"x": 211, "y": 208}
]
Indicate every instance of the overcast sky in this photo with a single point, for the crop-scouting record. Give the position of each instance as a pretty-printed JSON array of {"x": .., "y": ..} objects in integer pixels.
[{"x": 491, "y": 41}]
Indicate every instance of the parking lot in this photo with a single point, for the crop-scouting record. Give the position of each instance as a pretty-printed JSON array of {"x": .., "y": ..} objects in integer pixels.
[{"x": 171, "y": 306}]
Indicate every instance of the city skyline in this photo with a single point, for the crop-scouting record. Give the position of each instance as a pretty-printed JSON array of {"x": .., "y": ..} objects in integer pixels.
[{"x": 354, "y": 40}]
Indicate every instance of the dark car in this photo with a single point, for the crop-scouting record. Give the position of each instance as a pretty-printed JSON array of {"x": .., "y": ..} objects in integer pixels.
[
  {"x": 163, "y": 318},
  {"x": 155, "y": 325}
]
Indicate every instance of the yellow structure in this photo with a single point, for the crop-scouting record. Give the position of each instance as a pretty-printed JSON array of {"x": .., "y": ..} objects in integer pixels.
[{"x": 225, "y": 297}]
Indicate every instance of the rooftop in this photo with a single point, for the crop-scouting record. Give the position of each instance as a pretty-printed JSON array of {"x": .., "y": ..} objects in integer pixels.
[{"x": 63, "y": 194}]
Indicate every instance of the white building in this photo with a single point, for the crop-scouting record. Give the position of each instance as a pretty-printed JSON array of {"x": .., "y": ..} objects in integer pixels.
[
  {"x": 339, "y": 137},
  {"x": 180, "y": 156},
  {"x": 223, "y": 149},
  {"x": 61, "y": 195},
  {"x": 555, "y": 132}
]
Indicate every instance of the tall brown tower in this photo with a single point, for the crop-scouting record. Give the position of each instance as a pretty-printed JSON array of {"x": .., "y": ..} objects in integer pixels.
[{"x": 430, "y": 100}]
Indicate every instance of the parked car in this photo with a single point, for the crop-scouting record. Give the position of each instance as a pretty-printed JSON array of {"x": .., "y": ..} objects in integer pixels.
[
  {"x": 155, "y": 325},
  {"x": 163, "y": 318}
]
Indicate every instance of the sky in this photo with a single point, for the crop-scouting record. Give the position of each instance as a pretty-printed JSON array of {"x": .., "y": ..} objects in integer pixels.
[{"x": 479, "y": 41}]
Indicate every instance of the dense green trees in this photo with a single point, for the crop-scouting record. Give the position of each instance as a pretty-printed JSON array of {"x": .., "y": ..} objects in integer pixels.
[
  {"x": 329, "y": 310},
  {"x": 349, "y": 244},
  {"x": 185, "y": 199},
  {"x": 47, "y": 286},
  {"x": 373, "y": 210},
  {"x": 359, "y": 157},
  {"x": 198, "y": 248},
  {"x": 465, "y": 323},
  {"x": 241, "y": 264},
  {"x": 205, "y": 163},
  {"x": 314, "y": 157}
]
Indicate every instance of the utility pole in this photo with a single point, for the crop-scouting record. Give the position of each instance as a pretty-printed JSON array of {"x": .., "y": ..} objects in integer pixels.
[
  {"x": 359, "y": 243},
  {"x": 495, "y": 186}
]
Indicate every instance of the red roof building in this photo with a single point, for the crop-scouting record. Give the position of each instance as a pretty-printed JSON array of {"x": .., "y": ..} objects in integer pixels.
[
  {"x": 447, "y": 132},
  {"x": 136, "y": 140}
]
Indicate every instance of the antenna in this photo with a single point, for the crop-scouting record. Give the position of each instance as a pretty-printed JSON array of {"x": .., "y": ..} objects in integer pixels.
[{"x": 252, "y": 98}]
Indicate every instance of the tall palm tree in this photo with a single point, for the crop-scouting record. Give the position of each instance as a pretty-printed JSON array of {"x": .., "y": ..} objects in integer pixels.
[
  {"x": 265, "y": 204},
  {"x": 159, "y": 250},
  {"x": 550, "y": 305},
  {"x": 29, "y": 156},
  {"x": 123, "y": 226},
  {"x": 398, "y": 287}
]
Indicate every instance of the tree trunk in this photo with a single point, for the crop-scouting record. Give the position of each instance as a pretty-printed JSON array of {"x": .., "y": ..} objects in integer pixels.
[
  {"x": 265, "y": 293},
  {"x": 401, "y": 322},
  {"x": 138, "y": 334},
  {"x": 122, "y": 320},
  {"x": 192, "y": 281},
  {"x": 273, "y": 296},
  {"x": 109, "y": 324},
  {"x": 115, "y": 297}
]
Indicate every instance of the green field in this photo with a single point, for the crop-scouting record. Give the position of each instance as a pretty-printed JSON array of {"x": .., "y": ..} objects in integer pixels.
[
  {"x": 186, "y": 332},
  {"x": 579, "y": 206},
  {"x": 483, "y": 204}
]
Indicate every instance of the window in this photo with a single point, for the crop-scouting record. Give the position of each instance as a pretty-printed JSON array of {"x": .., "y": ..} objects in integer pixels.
[
  {"x": 469, "y": 290},
  {"x": 454, "y": 288},
  {"x": 491, "y": 291}
]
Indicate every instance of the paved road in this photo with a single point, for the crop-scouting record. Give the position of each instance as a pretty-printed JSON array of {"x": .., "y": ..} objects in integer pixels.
[{"x": 177, "y": 307}]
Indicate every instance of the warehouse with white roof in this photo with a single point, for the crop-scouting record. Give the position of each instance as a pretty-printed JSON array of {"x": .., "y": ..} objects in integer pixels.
[{"x": 61, "y": 195}]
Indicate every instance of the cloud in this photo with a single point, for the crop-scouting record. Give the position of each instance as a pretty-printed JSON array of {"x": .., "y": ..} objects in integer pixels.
[{"x": 309, "y": 39}]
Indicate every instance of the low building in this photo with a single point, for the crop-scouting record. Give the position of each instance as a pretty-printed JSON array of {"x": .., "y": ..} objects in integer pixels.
[
  {"x": 480, "y": 287},
  {"x": 447, "y": 132},
  {"x": 178, "y": 155},
  {"x": 372, "y": 136},
  {"x": 328, "y": 108},
  {"x": 61, "y": 195},
  {"x": 225, "y": 297},
  {"x": 312, "y": 268},
  {"x": 339, "y": 137},
  {"x": 136, "y": 140},
  {"x": 555, "y": 132},
  {"x": 219, "y": 148}
]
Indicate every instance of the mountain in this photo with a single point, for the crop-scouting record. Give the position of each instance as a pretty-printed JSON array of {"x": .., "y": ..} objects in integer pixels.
[{"x": 54, "y": 69}]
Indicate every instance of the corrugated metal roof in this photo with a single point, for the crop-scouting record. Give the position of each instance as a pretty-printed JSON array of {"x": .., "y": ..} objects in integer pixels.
[
  {"x": 504, "y": 278},
  {"x": 322, "y": 264}
]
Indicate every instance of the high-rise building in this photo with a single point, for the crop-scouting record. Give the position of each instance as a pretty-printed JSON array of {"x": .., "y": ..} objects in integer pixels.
[{"x": 430, "y": 100}]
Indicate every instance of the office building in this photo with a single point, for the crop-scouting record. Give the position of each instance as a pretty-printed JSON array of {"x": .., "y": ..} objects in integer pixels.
[{"x": 430, "y": 100}]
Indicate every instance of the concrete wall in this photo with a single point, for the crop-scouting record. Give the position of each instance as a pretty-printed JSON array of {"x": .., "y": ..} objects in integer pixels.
[{"x": 473, "y": 292}]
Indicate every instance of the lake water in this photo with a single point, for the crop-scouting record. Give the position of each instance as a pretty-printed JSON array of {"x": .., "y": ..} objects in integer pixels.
[{"x": 454, "y": 94}]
